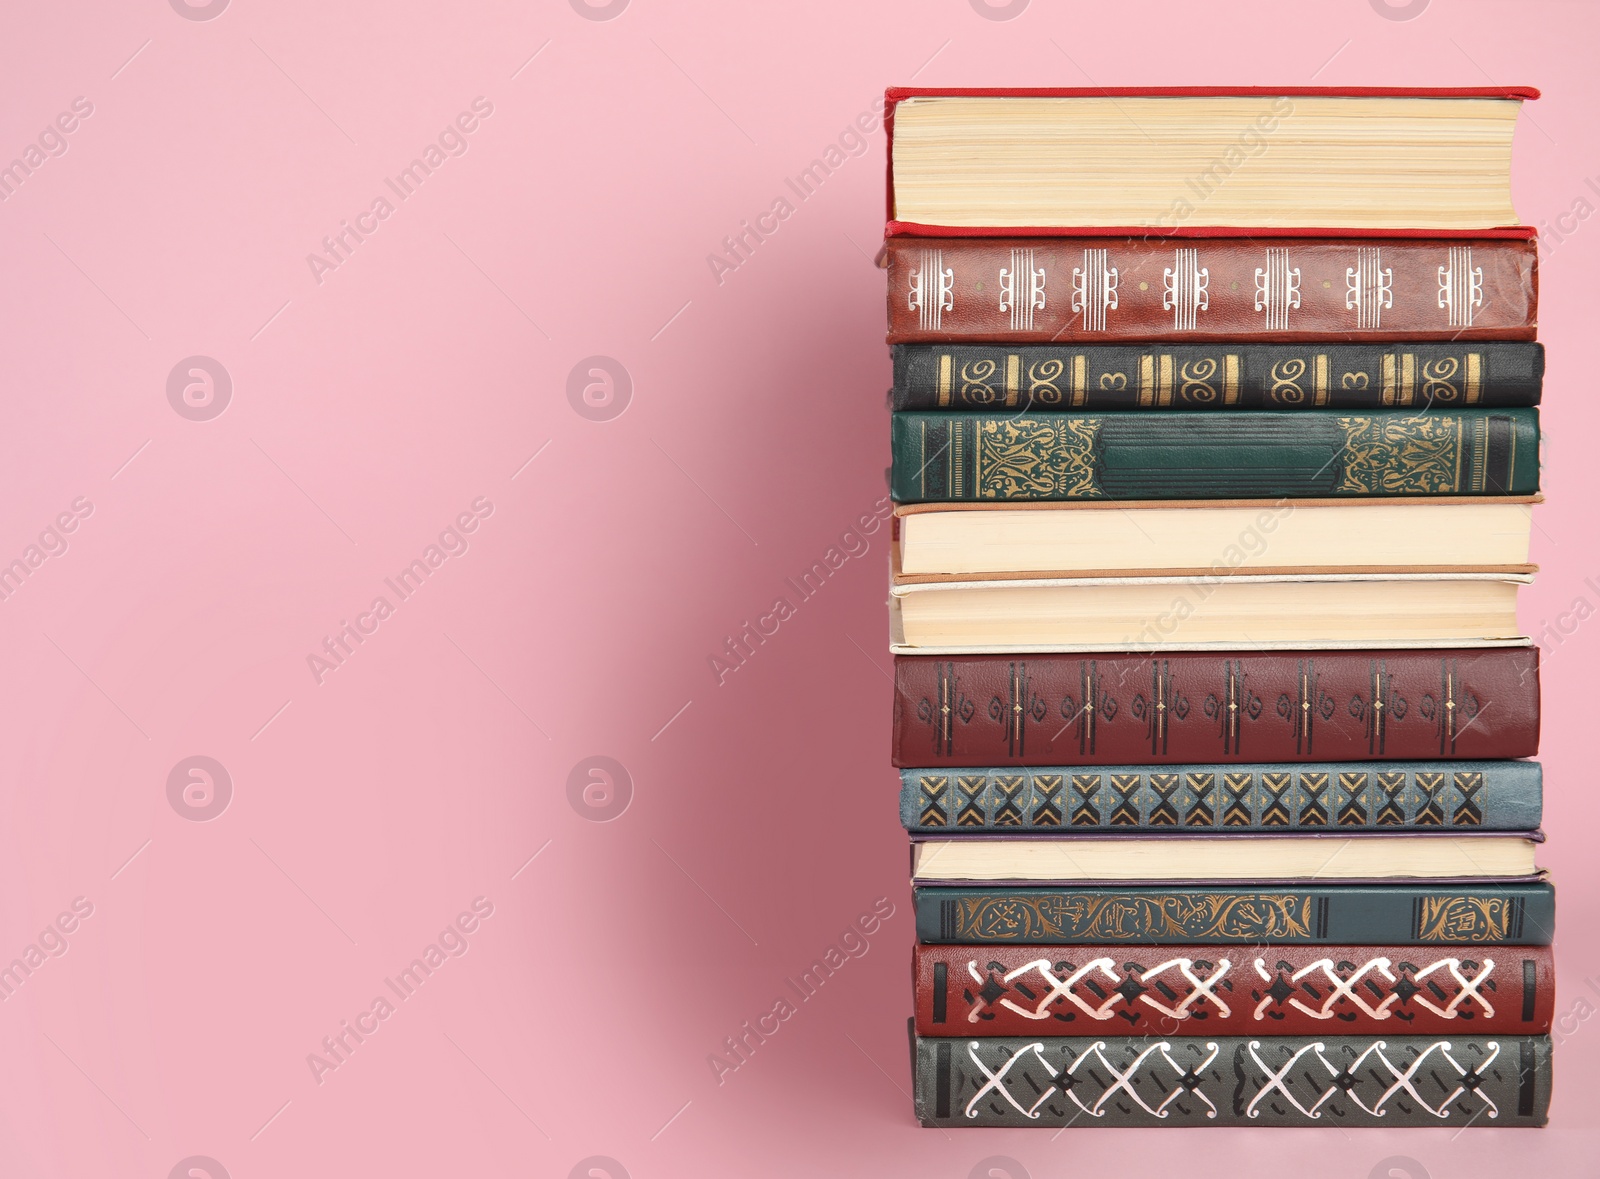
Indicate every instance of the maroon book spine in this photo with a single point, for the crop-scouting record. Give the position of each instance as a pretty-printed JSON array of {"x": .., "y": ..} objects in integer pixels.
[
  {"x": 1237, "y": 289},
  {"x": 1270, "y": 990},
  {"x": 1215, "y": 707}
]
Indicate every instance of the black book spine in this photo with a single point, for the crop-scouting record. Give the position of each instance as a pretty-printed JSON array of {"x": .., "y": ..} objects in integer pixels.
[{"x": 1217, "y": 376}]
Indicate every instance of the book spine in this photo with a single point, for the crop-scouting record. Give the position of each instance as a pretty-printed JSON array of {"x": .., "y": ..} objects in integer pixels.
[
  {"x": 1345, "y": 796},
  {"x": 1464, "y": 1080},
  {"x": 1215, "y": 708},
  {"x": 1041, "y": 377},
  {"x": 1271, "y": 990},
  {"x": 992, "y": 457},
  {"x": 1088, "y": 289},
  {"x": 1521, "y": 914}
]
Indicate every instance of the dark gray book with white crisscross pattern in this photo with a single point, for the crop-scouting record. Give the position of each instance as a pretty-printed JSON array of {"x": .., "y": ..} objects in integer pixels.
[{"x": 1455, "y": 1081}]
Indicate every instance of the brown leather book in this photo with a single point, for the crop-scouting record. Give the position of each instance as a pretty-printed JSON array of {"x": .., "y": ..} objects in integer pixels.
[
  {"x": 1243, "y": 289},
  {"x": 1079, "y": 708}
]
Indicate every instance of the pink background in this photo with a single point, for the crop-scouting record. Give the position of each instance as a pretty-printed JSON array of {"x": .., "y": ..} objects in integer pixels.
[{"x": 370, "y": 409}]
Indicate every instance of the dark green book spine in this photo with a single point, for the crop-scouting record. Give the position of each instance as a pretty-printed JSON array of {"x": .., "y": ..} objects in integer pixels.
[
  {"x": 997, "y": 457},
  {"x": 1468, "y": 1079},
  {"x": 1320, "y": 797},
  {"x": 1411, "y": 913},
  {"x": 1044, "y": 377}
]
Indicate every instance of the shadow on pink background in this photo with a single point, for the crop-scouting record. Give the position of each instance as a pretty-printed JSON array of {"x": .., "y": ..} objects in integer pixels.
[{"x": 365, "y": 407}]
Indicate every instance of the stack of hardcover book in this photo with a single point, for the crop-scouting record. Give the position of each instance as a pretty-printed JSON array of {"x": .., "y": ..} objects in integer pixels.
[{"x": 1210, "y": 696}]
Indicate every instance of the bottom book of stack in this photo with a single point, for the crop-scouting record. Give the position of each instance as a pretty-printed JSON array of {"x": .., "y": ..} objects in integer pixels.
[{"x": 1404, "y": 1080}]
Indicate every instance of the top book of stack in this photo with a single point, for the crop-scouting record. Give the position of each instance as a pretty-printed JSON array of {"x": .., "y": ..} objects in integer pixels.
[{"x": 973, "y": 162}]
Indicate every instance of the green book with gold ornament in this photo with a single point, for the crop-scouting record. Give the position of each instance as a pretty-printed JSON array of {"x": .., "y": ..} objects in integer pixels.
[{"x": 992, "y": 457}]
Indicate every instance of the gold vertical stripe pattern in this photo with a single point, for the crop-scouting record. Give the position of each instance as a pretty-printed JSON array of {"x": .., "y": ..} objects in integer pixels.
[
  {"x": 1013, "y": 376},
  {"x": 944, "y": 380},
  {"x": 1474, "y": 376},
  {"x": 957, "y": 437},
  {"x": 1230, "y": 395}
]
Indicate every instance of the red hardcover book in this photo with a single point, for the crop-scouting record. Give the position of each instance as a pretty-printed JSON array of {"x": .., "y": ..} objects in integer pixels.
[
  {"x": 1273, "y": 990},
  {"x": 1210, "y": 707},
  {"x": 1087, "y": 289}
]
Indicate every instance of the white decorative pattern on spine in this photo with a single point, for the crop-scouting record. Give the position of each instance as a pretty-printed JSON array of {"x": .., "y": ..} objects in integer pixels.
[
  {"x": 1186, "y": 289},
  {"x": 1094, "y": 290},
  {"x": 1343, "y": 989},
  {"x": 1093, "y": 989},
  {"x": 1022, "y": 290},
  {"x": 996, "y": 1080},
  {"x": 1369, "y": 288},
  {"x": 1060, "y": 988},
  {"x": 1277, "y": 290},
  {"x": 1370, "y": 1077},
  {"x": 1403, "y": 1080},
  {"x": 1121, "y": 1082},
  {"x": 1461, "y": 287},
  {"x": 932, "y": 290}
]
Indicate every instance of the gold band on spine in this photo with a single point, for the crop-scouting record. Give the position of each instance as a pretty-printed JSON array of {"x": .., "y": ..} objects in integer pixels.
[
  {"x": 957, "y": 438},
  {"x": 1147, "y": 379},
  {"x": 1080, "y": 377},
  {"x": 944, "y": 380},
  {"x": 1388, "y": 378},
  {"x": 1013, "y": 378},
  {"x": 1474, "y": 376},
  {"x": 1165, "y": 387},
  {"x": 1322, "y": 378},
  {"x": 1230, "y": 393},
  {"x": 1408, "y": 377}
]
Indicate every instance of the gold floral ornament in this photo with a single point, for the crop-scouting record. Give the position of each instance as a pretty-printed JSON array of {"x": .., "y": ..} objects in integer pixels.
[
  {"x": 1025, "y": 458},
  {"x": 1136, "y": 917},
  {"x": 1416, "y": 455},
  {"x": 1471, "y": 919}
]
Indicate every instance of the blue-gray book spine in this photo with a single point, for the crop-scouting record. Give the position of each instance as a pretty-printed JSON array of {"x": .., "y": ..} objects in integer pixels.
[
  {"x": 1405, "y": 913},
  {"x": 1347, "y": 796}
]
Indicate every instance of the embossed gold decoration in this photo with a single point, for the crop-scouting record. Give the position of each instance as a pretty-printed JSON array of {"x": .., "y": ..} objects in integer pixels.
[
  {"x": 1438, "y": 380},
  {"x": 1135, "y": 917},
  {"x": 975, "y": 387},
  {"x": 1415, "y": 455},
  {"x": 1028, "y": 457},
  {"x": 1285, "y": 377},
  {"x": 1194, "y": 381},
  {"x": 1463, "y": 919},
  {"x": 1042, "y": 377}
]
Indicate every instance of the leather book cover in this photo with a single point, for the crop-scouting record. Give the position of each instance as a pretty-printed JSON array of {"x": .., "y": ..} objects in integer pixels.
[
  {"x": 1453, "y": 1082},
  {"x": 1204, "y": 708},
  {"x": 1029, "y": 377},
  {"x": 1520, "y": 913},
  {"x": 1073, "y": 290},
  {"x": 999, "y": 456},
  {"x": 1265, "y": 990},
  {"x": 1341, "y": 796}
]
